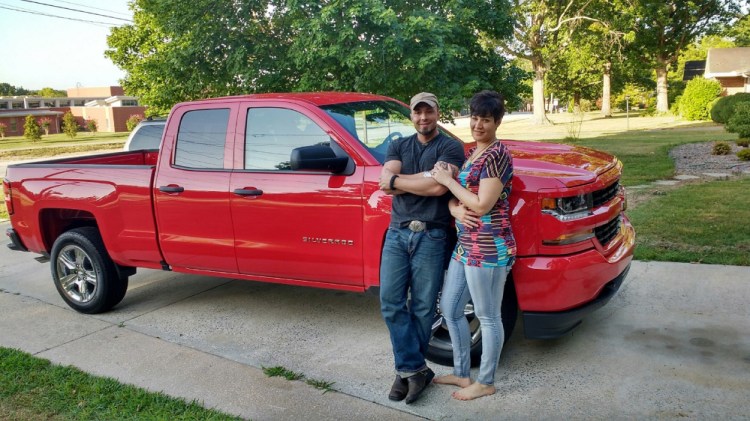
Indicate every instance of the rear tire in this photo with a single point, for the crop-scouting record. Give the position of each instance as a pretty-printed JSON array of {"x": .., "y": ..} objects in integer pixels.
[
  {"x": 440, "y": 350},
  {"x": 84, "y": 274}
]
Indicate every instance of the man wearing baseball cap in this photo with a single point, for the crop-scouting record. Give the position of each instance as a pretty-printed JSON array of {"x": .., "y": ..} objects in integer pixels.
[{"x": 416, "y": 245}]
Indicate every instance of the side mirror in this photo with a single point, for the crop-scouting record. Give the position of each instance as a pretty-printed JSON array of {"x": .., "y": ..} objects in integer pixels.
[{"x": 317, "y": 157}]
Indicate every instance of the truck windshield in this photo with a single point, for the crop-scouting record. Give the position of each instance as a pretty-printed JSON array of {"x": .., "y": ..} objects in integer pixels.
[{"x": 373, "y": 123}]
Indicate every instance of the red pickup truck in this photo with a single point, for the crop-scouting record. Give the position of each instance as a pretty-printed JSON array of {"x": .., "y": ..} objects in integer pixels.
[{"x": 284, "y": 188}]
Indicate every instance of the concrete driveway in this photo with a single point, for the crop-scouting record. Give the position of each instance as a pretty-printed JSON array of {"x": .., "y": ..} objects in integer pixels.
[{"x": 674, "y": 343}]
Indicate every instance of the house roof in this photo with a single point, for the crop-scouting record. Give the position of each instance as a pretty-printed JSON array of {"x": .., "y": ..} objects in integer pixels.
[
  {"x": 25, "y": 112},
  {"x": 693, "y": 69},
  {"x": 728, "y": 62}
]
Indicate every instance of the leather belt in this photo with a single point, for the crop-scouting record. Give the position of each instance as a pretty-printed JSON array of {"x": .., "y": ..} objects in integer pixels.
[{"x": 419, "y": 226}]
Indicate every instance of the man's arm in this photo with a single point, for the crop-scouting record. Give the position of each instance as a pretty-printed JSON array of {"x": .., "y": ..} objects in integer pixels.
[{"x": 408, "y": 183}]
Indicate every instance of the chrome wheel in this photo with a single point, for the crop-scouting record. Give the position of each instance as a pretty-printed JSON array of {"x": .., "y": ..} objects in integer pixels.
[
  {"x": 77, "y": 274},
  {"x": 441, "y": 339}
]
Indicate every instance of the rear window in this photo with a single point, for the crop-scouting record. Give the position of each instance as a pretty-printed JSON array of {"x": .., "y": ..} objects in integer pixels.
[
  {"x": 147, "y": 137},
  {"x": 201, "y": 139}
]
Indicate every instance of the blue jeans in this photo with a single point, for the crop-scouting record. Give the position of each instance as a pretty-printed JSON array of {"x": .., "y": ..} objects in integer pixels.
[
  {"x": 484, "y": 286},
  {"x": 411, "y": 267}
]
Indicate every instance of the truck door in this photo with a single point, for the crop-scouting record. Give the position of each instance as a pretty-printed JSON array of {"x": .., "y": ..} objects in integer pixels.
[
  {"x": 191, "y": 189},
  {"x": 296, "y": 225}
]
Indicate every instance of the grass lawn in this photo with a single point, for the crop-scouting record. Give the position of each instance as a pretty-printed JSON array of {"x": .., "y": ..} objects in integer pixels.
[
  {"x": 18, "y": 147},
  {"x": 34, "y": 389}
]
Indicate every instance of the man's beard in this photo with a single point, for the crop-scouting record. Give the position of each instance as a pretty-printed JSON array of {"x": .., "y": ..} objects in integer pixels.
[{"x": 428, "y": 132}]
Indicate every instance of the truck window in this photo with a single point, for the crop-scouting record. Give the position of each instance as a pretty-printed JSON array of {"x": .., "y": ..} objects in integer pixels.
[
  {"x": 272, "y": 134},
  {"x": 201, "y": 138}
]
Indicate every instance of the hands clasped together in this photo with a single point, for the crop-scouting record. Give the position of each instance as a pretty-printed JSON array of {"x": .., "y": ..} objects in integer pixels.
[{"x": 444, "y": 173}]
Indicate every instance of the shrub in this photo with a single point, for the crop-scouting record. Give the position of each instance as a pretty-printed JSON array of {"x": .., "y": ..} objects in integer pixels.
[
  {"x": 744, "y": 155},
  {"x": 699, "y": 92},
  {"x": 92, "y": 126},
  {"x": 3, "y": 126},
  {"x": 724, "y": 107},
  {"x": 739, "y": 122},
  {"x": 721, "y": 148},
  {"x": 743, "y": 142},
  {"x": 133, "y": 121},
  {"x": 44, "y": 124},
  {"x": 31, "y": 129},
  {"x": 70, "y": 127}
]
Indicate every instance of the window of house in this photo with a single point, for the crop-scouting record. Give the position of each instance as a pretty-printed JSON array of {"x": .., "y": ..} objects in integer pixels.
[
  {"x": 48, "y": 104},
  {"x": 13, "y": 125},
  {"x": 201, "y": 138},
  {"x": 129, "y": 103},
  {"x": 272, "y": 134},
  {"x": 79, "y": 102},
  {"x": 17, "y": 105},
  {"x": 33, "y": 104},
  {"x": 3, "y": 105}
]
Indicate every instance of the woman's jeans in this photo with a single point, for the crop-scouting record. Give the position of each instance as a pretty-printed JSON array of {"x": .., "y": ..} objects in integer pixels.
[
  {"x": 484, "y": 286},
  {"x": 412, "y": 266}
]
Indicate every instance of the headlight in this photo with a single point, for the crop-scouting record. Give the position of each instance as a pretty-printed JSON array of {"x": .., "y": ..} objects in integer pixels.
[{"x": 568, "y": 208}]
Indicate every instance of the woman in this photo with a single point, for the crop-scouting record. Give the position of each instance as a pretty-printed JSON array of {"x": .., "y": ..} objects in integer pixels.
[{"x": 485, "y": 250}]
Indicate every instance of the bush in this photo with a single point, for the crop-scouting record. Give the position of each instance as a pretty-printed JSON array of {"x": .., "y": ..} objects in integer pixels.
[
  {"x": 724, "y": 107},
  {"x": 744, "y": 155},
  {"x": 699, "y": 92},
  {"x": 92, "y": 126},
  {"x": 133, "y": 121},
  {"x": 721, "y": 148},
  {"x": 743, "y": 142},
  {"x": 70, "y": 127},
  {"x": 739, "y": 122},
  {"x": 31, "y": 129}
]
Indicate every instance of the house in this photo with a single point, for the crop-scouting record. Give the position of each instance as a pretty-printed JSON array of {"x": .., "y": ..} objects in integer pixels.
[
  {"x": 109, "y": 106},
  {"x": 731, "y": 67},
  {"x": 693, "y": 69}
]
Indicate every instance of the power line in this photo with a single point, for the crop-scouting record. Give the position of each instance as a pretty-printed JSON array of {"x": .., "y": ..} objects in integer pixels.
[
  {"x": 91, "y": 7},
  {"x": 77, "y": 10},
  {"x": 34, "y": 12}
]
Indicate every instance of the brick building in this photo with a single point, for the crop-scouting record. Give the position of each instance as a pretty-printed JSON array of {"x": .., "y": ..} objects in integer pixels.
[{"x": 109, "y": 106}]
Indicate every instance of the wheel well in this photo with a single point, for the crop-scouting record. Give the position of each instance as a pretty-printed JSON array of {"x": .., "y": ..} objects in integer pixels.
[{"x": 54, "y": 222}]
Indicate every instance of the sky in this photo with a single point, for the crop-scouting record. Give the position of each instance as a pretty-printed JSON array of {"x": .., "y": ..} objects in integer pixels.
[{"x": 38, "y": 51}]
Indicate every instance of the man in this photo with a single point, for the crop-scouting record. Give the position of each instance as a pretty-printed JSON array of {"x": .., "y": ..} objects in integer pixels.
[{"x": 415, "y": 249}]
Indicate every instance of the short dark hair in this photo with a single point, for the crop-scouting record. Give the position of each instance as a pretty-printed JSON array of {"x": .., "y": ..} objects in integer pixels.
[{"x": 487, "y": 103}]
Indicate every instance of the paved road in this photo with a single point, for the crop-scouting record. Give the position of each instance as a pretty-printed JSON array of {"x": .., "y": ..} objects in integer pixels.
[{"x": 674, "y": 343}]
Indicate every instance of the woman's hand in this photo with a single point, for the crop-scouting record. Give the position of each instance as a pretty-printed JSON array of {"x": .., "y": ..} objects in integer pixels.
[
  {"x": 464, "y": 215},
  {"x": 443, "y": 172}
]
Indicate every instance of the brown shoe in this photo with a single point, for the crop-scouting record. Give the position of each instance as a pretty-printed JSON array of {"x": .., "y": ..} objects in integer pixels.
[
  {"x": 417, "y": 384},
  {"x": 399, "y": 389}
]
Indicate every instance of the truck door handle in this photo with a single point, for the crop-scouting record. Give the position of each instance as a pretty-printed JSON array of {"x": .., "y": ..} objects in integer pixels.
[
  {"x": 248, "y": 192},
  {"x": 171, "y": 189}
]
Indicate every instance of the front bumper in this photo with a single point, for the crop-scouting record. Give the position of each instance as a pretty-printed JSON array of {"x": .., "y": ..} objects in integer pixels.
[{"x": 550, "y": 325}]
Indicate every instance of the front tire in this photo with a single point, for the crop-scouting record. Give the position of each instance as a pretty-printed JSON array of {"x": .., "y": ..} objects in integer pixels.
[
  {"x": 440, "y": 350},
  {"x": 84, "y": 274}
]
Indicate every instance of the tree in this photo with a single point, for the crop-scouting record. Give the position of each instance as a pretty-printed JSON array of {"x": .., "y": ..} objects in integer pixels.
[
  {"x": 664, "y": 29},
  {"x": 542, "y": 30},
  {"x": 740, "y": 31},
  {"x": 51, "y": 93},
  {"x": 3, "y": 126},
  {"x": 44, "y": 123},
  {"x": 70, "y": 126},
  {"x": 7, "y": 89},
  {"x": 394, "y": 47},
  {"x": 31, "y": 129}
]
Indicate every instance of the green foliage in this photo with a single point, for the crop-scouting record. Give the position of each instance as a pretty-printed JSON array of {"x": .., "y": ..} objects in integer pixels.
[
  {"x": 70, "y": 126},
  {"x": 698, "y": 95},
  {"x": 724, "y": 107},
  {"x": 31, "y": 129},
  {"x": 740, "y": 31},
  {"x": 49, "y": 92},
  {"x": 744, "y": 155},
  {"x": 739, "y": 121},
  {"x": 743, "y": 142},
  {"x": 133, "y": 121},
  {"x": 7, "y": 89},
  {"x": 721, "y": 148},
  {"x": 279, "y": 371},
  {"x": 92, "y": 126},
  {"x": 174, "y": 53}
]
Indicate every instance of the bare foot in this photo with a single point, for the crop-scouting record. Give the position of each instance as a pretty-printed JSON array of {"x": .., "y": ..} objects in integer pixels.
[
  {"x": 454, "y": 380},
  {"x": 476, "y": 390}
]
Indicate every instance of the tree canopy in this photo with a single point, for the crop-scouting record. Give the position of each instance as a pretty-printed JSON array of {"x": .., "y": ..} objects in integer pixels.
[{"x": 173, "y": 53}]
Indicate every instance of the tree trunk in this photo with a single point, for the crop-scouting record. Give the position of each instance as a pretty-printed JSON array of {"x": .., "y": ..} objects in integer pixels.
[
  {"x": 540, "y": 117},
  {"x": 606, "y": 90},
  {"x": 662, "y": 98}
]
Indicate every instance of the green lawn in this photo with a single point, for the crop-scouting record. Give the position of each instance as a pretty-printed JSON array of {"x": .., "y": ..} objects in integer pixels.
[
  {"x": 34, "y": 389},
  {"x": 19, "y": 147}
]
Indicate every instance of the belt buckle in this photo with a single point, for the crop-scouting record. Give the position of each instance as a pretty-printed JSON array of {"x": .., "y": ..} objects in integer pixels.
[{"x": 417, "y": 226}]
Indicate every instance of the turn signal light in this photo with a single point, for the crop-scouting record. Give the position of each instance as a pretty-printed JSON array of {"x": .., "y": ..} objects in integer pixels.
[{"x": 573, "y": 238}]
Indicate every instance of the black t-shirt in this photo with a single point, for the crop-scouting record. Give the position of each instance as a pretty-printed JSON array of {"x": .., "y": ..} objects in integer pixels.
[{"x": 416, "y": 158}]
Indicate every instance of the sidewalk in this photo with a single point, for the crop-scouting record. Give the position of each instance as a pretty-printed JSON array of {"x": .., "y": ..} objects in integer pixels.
[{"x": 674, "y": 342}]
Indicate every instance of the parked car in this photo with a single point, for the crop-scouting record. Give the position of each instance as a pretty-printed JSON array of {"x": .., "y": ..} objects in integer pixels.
[
  {"x": 283, "y": 188},
  {"x": 146, "y": 135}
]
